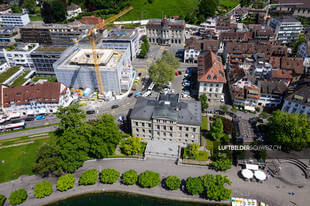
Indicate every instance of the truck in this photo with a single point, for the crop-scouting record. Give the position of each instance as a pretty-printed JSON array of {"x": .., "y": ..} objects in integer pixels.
[{"x": 13, "y": 126}]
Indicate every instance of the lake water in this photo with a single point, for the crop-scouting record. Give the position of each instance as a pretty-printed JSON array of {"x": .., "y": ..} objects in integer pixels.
[{"x": 121, "y": 199}]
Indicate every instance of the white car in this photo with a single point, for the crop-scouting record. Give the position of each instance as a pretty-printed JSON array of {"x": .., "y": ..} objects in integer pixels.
[{"x": 186, "y": 84}]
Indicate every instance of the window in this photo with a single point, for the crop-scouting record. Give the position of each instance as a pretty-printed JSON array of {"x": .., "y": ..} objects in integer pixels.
[
  {"x": 149, "y": 124},
  {"x": 170, "y": 134},
  {"x": 170, "y": 128},
  {"x": 137, "y": 124},
  {"x": 158, "y": 133},
  {"x": 143, "y": 130},
  {"x": 165, "y": 127},
  {"x": 142, "y": 124},
  {"x": 194, "y": 129},
  {"x": 164, "y": 133},
  {"x": 180, "y": 128},
  {"x": 186, "y": 128},
  {"x": 158, "y": 127},
  {"x": 137, "y": 129}
]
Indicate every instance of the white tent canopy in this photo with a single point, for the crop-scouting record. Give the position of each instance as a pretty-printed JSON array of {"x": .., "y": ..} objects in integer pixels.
[
  {"x": 260, "y": 175},
  {"x": 251, "y": 167},
  {"x": 246, "y": 173}
]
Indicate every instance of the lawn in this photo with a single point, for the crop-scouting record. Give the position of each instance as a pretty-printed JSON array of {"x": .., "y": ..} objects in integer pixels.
[
  {"x": 20, "y": 80},
  {"x": 18, "y": 160},
  {"x": 35, "y": 18},
  {"x": 5, "y": 75},
  {"x": 203, "y": 156},
  {"x": 50, "y": 79},
  {"x": 229, "y": 3},
  {"x": 143, "y": 10},
  {"x": 204, "y": 123}
]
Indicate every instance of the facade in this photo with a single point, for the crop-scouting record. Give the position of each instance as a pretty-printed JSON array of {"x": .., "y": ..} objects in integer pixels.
[
  {"x": 166, "y": 31},
  {"x": 167, "y": 118},
  {"x": 286, "y": 28},
  {"x": 73, "y": 11},
  {"x": 57, "y": 34},
  {"x": 271, "y": 93},
  {"x": 122, "y": 39},
  {"x": 14, "y": 19},
  {"x": 193, "y": 47},
  {"x": 20, "y": 55},
  {"x": 294, "y": 7},
  {"x": 298, "y": 101},
  {"x": 3, "y": 67},
  {"x": 75, "y": 68},
  {"x": 8, "y": 34},
  {"x": 262, "y": 70},
  {"x": 211, "y": 76},
  {"x": 40, "y": 98},
  {"x": 304, "y": 49},
  {"x": 43, "y": 59}
]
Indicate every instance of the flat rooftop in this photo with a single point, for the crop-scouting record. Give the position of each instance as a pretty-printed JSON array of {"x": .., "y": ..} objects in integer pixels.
[
  {"x": 41, "y": 25},
  {"x": 107, "y": 58},
  {"x": 121, "y": 34},
  {"x": 51, "y": 49}
]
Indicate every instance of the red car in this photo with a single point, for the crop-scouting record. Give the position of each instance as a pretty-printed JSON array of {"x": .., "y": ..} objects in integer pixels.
[{"x": 176, "y": 74}]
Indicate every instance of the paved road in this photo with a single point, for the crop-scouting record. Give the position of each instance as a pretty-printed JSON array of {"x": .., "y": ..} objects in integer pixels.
[{"x": 27, "y": 132}]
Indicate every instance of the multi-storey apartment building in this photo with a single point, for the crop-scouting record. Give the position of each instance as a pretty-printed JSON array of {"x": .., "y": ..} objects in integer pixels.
[
  {"x": 211, "y": 76},
  {"x": 75, "y": 68},
  {"x": 165, "y": 31},
  {"x": 44, "y": 57},
  {"x": 286, "y": 28},
  {"x": 298, "y": 101},
  {"x": 167, "y": 118},
  {"x": 271, "y": 93},
  {"x": 121, "y": 39},
  {"x": 19, "y": 55},
  {"x": 58, "y": 34},
  {"x": 40, "y": 98},
  {"x": 14, "y": 19}
]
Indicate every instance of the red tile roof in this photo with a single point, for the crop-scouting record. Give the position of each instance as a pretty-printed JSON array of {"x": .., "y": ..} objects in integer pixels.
[
  {"x": 45, "y": 93},
  {"x": 281, "y": 74},
  {"x": 295, "y": 64},
  {"x": 210, "y": 68}
]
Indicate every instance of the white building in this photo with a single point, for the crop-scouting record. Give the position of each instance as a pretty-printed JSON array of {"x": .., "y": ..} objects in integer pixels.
[
  {"x": 304, "y": 49},
  {"x": 3, "y": 67},
  {"x": 20, "y": 55},
  {"x": 298, "y": 101},
  {"x": 286, "y": 28},
  {"x": 14, "y": 19},
  {"x": 262, "y": 70},
  {"x": 41, "y": 98},
  {"x": 73, "y": 11},
  {"x": 271, "y": 93}
]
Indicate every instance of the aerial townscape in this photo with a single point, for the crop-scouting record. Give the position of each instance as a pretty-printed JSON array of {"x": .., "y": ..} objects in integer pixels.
[{"x": 153, "y": 102}]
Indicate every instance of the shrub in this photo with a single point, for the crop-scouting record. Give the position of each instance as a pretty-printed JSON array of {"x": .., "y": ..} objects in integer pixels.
[
  {"x": 65, "y": 182},
  {"x": 130, "y": 177},
  {"x": 131, "y": 146},
  {"x": 2, "y": 199},
  {"x": 109, "y": 176},
  {"x": 214, "y": 186},
  {"x": 221, "y": 164},
  {"x": 43, "y": 189},
  {"x": 89, "y": 177},
  {"x": 172, "y": 182},
  {"x": 194, "y": 185},
  {"x": 149, "y": 179},
  {"x": 18, "y": 197}
]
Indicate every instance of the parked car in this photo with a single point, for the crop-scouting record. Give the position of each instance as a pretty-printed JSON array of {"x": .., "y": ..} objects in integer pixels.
[
  {"x": 115, "y": 106},
  {"x": 130, "y": 94},
  {"x": 176, "y": 73},
  {"x": 90, "y": 111},
  {"x": 180, "y": 73},
  {"x": 39, "y": 117},
  {"x": 187, "y": 84}
]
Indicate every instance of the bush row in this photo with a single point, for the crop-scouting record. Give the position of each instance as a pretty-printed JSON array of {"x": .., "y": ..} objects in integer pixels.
[{"x": 213, "y": 187}]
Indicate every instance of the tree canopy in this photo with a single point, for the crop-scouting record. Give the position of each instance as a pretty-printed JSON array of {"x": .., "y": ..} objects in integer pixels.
[
  {"x": 53, "y": 11},
  {"x": 194, "y": 185},
  {"x": 289, "y": 130},
  {"x": 89, "y": 177},
  {"x": 109, "y": 176},
  {"x": 18, "y": 196},
  {"x": 207, "y": 8},
  {"x": 193, "y": 150},
  {"x": 222, "y": 164},
  {"x": 43, "y": 189},
  {"x": 30, "y": 6},
  {"x": 131, "y": 146},
  {"x": 145, "y": 47},
  {"x": 204, "y": 103},
  {"x": 65, "y": 182},
  {"x": 130, "y": 177},
  {"x": 217, "y": 130},
  {"x": 149, "y": 179},
  {"x": 172, "y": 182},
  {"x": 48, "y": 161},
  {"x": 2, "y": 199},
  {"x": 214, "y": 186}
]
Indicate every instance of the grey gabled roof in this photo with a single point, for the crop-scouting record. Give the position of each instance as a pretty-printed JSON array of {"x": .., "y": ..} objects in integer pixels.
[{"x": 167, "y": 106}]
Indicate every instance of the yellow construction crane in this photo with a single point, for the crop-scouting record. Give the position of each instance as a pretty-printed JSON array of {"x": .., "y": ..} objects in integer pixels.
[{"x": 93, "y": 45}]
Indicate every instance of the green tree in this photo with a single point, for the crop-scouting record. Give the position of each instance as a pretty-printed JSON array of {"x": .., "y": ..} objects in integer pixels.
[
  {"x": 301, "y": 39},
  {"x": 207, "y": 8},
  {"x": 30, "y": 6},
  {"x": 193, "y": 150},
  {"x": 161, "y": 73},
  {"x": 145, "y": 47},
  {"x": 18, "y": 197},
  {"x": 59, "y": 11},
  {"x": 130, "y": 177},
  {"x": 2, "y": 199},
  {"x": 215, "y": 189},
  {"x": 222, "y": 164},
  {"x": 264, "y": 115},
  {"x": 105, "y": 136},
  {"x": 89, "y": 177},
  {"x": 170, "y": 59},
  {"x": 289, "y": 130},
  {"x": 131, "y": 146},
  {"x": 194, "y": 185},
  {"x": 109, "y": 176},
  {"x": 172, "y": 182},
  {"x": 204, "y": 103},
  {"x": 43, "y": 189},
  {"x": 149, "y": 179},
  {"x": 48, "y": 161},
  {"x": 244, "y": 3},
  {"x": 224, "y": 108},
  {"x": 217, "y": 130},
  {"x": 16, "y": 9},
  {"x": 70, "y": 117},
  {"x": 65, "y": 182},
  {"x": 47, "y": 12}
]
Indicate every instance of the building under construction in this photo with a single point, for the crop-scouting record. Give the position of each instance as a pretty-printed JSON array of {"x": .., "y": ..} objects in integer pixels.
[{"x": 75, "y": 68}]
